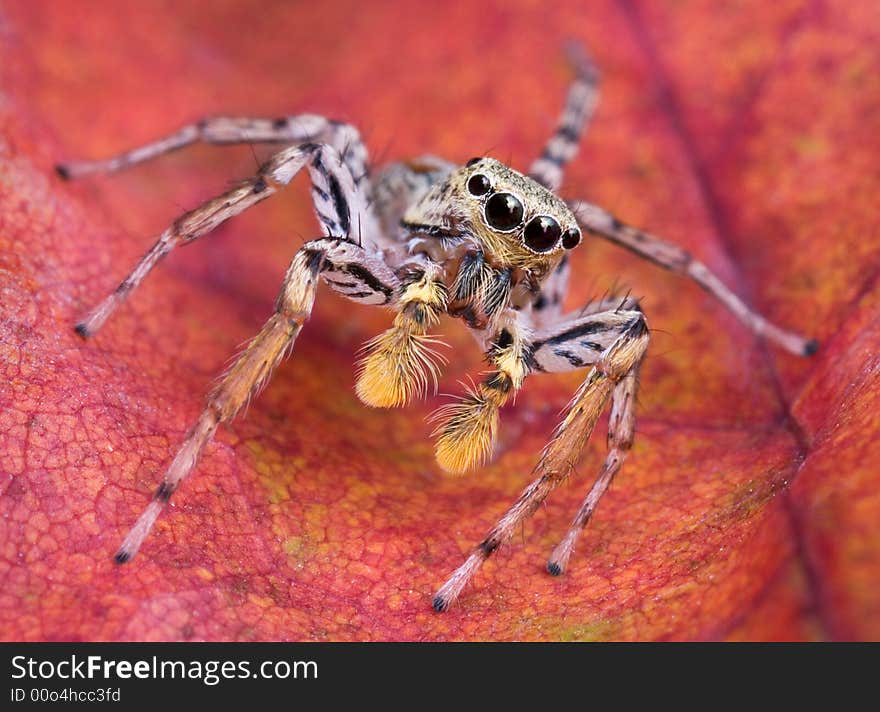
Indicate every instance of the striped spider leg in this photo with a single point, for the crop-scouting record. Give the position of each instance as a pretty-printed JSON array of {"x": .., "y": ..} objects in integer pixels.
[
  {"x": 225, "y": 130},
  {"x": 548, "y": 168},
  {"x": 613, "y": 344},
  {"x": 338, "y": 193},
  {"x": 349, "y": 268},
  {"x": 672, "y": 257},
  {"x": 343, "y": 265}
]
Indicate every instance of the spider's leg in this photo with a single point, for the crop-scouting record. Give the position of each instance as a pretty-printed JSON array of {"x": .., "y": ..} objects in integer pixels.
[
  {"x": 672, "y": 257},
  {"x": 580, "y": 103},
  {"x": 302, "y": 128},
  {"x": 467, "y": 428},
  {"x": 577, "y": 340},
  {"x": 581, "y": 337},
  {"x": 621, "y": 433},
  {"x": 611, "y": 367},
  {"x": 337, "y": 204},
  {"x": 328, "y": 257},
  {"x": 401, "y": 361}
]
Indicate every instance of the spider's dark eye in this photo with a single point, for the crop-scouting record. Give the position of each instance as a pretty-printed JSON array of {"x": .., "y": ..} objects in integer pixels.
[
  {"x": 504, "y": 211},
  {"x": 542, "y": 233},
  {"x": 478, "y": 184},
  {"x": 473, "y": 161},
  {"x": 571, "y": 238}
]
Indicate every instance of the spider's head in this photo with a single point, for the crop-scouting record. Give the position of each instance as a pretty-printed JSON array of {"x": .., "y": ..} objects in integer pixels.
[{"x": 516, "y": 220}]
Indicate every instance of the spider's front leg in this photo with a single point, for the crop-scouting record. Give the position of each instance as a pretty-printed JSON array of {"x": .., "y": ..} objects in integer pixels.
[
  {"x": 621, "y": 433},
  {"x": 573, "y": 342},
  {"x": 614, "y": 342},
  {"x": 348, "y": 269}
]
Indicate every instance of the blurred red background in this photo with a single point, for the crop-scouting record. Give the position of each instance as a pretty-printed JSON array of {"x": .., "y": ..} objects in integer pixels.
[{"x": 746, "y": 132}]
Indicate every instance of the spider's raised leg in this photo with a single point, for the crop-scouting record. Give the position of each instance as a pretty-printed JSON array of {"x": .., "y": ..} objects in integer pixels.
[
  {"x": 338, "y": 204},
  {"x": 302, "y": 128},
  {"x": 347, "y": 268},
  {"x": 467, "y": 428},
  {"x": 613, "y": 370},
  {"x": 601, "y": 222},
  {"x": 583, "y": 96},
  {"x": 580, "y": 103}
]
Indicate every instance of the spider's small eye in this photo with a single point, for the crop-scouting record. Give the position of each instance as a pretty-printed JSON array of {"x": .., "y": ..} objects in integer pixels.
[
  {"x": 504, "y": 211},
  {"x": 571, "y": 238},
  {"x": 473, "y": 161},
  {"x": 542, "y": 233},
  {"x": 478, "y": 184}
]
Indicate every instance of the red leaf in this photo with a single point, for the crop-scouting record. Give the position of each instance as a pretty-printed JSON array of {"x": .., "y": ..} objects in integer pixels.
[{"x": 749, "y": 507}]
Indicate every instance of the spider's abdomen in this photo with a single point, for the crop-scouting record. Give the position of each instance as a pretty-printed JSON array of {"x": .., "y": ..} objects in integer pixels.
[{"x": 401, "y": 185}]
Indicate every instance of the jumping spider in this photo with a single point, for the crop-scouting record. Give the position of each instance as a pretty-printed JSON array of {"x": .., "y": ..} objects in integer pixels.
[{"x": 482, "y": 242}]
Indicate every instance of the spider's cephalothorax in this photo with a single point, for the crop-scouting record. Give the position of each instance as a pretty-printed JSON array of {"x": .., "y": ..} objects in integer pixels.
[{"x": 481, "y": 242}]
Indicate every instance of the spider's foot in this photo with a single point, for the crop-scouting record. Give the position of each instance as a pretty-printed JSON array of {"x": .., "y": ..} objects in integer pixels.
[
  {"x": 82, "y": 330},
  {"x": 74, "y": 169},
  {"x": 449, "y": 592},
  {"x": 558, "y": 561},
  {"x": 91, "y": 324}
]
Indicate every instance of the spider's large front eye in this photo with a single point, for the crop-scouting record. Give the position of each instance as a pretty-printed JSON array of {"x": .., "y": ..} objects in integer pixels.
[
  {"x": 542, "y": 233},
  {"x": 504, "y": 211},
  {"x": 478, "y": 184}
]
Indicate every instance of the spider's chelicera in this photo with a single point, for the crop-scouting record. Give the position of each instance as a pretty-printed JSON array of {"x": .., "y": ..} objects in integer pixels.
[{"x": 424, "y": 237}]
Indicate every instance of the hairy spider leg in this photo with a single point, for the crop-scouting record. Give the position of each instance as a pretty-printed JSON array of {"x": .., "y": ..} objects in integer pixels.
[
  {"x": 674, "y": 258},
  {"x": 347, "y": 268},
  {"x": 337, "y": 204},
  {"x": 402, "y": 361},
  {"x": 328, "y": 257},
  {"x": 610, "y": 367},
  {"x": 621, "y": 434},
  {"x": 468, "y": 428}
]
